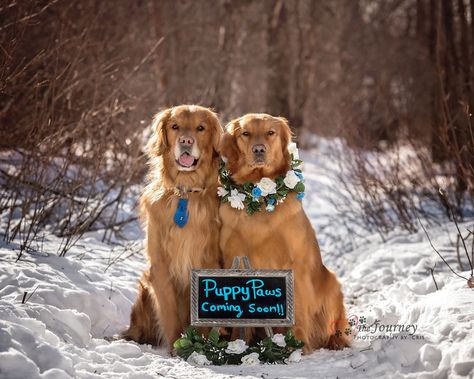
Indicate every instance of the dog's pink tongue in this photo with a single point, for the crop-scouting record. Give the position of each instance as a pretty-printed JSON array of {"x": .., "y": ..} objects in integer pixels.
[{"x": 186, "y": 160}]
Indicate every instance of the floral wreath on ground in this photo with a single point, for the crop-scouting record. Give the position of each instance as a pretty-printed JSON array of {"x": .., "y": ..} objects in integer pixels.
[
  {"x": 266, "y": 193},
  {"x": 198, "y": 350}
]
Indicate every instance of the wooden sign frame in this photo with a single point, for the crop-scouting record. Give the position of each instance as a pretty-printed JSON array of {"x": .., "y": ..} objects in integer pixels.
[{"x": 212, "y": 322}]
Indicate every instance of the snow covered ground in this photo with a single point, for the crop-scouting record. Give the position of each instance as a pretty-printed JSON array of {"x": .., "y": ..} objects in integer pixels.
[{"x": 74, "y": 302}]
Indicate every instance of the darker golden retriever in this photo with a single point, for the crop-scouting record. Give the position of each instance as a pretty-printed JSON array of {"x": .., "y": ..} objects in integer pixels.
[
  {"x": 180, "y": 211},
  {"x": 256, "y": 146}
]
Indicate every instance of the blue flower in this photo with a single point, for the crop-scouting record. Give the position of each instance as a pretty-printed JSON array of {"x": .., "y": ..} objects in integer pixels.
[
  {"x": 271, "y": 201},
  {"x": 299, "y": 175},
  {"x": 300, "y": 195},
  {"x": 256, "y": 192}
]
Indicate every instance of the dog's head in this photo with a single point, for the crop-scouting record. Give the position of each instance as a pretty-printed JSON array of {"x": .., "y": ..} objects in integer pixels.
[
  {"x": 186, "y": 137},
  {"x": 256, "y": 146}
]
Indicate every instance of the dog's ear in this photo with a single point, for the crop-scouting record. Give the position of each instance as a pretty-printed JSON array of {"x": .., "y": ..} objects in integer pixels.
[
  {"x": 228, "y": 148},
  {"x": 158, "y": 142},
  {"x": 286, "y": 134},
  {"x": 217, "y": 134}
]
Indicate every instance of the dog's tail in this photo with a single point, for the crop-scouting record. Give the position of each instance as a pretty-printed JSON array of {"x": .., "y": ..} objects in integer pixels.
[{"x": 144, "y": 324}]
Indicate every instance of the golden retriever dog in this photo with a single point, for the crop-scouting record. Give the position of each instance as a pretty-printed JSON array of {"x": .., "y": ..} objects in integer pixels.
[
  {"x": 256, "y": 146},
  {"x": 180, "y": 211}
]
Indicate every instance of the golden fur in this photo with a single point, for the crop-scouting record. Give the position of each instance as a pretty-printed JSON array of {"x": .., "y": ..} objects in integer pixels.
[
  {"x": 161, "y": 311},
  {"x": 283, "y": 239}
]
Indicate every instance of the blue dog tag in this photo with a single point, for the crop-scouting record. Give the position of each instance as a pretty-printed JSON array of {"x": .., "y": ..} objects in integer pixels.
[{"x": 181, "y": 215}]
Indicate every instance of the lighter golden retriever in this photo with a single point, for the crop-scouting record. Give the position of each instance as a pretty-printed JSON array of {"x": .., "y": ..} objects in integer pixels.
[
  {"x": 255, "y": 146},
  {"x": 179, "y": 236}
]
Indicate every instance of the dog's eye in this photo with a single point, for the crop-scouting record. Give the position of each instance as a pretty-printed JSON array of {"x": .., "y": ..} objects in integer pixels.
[
  {"x": 246, "y": 134},
  {"x": 200, "y": 128},
  {"x": 270, "y": 132},
  {"x": 175, "y": 127}
]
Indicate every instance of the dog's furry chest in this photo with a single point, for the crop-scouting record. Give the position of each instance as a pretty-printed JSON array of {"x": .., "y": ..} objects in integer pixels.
[
  {"x": 260, "y": 222},
  {"x": 195, "y": 245},
  {"x": 283, "y": 239},
  {"x": 271, "y": 240}
]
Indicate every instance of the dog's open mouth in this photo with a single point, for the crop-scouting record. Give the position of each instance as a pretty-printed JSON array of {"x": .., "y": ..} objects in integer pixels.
[{"x": 187, "y": 160}]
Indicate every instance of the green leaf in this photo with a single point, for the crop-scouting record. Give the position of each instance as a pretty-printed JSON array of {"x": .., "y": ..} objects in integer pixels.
[
  {"x": 182, "y": 343},
  {"x": 299, "y": 187},
  {"x": 198, "y": 347},
  {"x": 299, "y": 344},
  {"x": 267, "y": 342},
  {"x": 185, "y": 353},
  {"x": 191, "y": 332},
  {"x": 253, "y": 349},
  {"x": 199, "y": 339},
  {"x": 213, "y": 337}
]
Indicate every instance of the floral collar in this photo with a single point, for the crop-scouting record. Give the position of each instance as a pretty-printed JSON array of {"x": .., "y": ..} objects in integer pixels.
[{"x": 267, "y": 192}]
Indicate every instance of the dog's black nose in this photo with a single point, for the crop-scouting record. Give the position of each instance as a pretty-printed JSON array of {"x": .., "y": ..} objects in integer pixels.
[
  {"x": 258, "y": 149},
  {"x": 186, "y": 140}
]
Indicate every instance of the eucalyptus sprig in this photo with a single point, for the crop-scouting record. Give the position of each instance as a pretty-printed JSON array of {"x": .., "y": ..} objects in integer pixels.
[{"x": 198, "y": 349}]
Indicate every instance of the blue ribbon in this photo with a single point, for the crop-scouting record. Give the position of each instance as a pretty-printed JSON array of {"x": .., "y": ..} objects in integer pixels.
[{"x": 181, "y": 215}]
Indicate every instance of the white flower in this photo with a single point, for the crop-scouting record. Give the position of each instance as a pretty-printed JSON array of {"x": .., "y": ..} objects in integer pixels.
[
  {"x": 291, "y": 179},
  {"x": 279, "y": 339},
  {"x": 198, "y": 359},
  {"x": 236, "y": 347},
  {"x": 250, "y": 359},
  {"x": 294, "y": 356},
  {"x": 236, "y": 199},
  {"x": 293, "y": 149},
  {"x": 221, "y": 191},
  {"x": 267, "y": 186}
]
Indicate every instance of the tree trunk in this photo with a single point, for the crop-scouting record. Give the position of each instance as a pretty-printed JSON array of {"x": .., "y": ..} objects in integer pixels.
[
  {"x": 278, "y": 61},
  {"x": 303, "y": 60},
  {"x": 221, "y": 99},
  {"x": 437, "y": 143}
]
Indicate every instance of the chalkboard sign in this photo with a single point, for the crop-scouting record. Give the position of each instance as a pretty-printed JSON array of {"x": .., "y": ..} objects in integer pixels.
[{"x": 237, "y": 297}]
